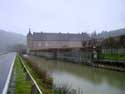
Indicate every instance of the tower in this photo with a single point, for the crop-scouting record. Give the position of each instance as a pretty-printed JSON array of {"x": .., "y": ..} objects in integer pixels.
[{"x": 29, "y": 41}]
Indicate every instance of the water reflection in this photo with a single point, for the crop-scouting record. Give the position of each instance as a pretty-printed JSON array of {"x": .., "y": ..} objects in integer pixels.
[{"x": 90, "y": 80}]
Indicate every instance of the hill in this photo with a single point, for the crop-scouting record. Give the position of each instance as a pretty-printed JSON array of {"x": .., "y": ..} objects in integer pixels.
[
  {"x": 106, "y": 34},
  {"x": 9, "y": 39}
]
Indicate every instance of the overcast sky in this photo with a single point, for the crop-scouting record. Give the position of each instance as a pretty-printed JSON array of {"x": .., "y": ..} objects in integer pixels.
[{"x": 61, "y": 15}]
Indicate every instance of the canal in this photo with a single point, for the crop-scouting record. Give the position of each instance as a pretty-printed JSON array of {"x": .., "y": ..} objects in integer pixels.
[{"x": 84, "y": 79}]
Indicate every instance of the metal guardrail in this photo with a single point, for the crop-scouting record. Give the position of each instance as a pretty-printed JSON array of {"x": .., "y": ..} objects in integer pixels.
[
  {"x": 5, "y": 90},
  {"x": 35, "y": 88}
]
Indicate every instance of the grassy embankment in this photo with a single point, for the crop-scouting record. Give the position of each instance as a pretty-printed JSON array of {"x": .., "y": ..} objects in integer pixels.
[
  {"x": 113, "y": 56},
  {"x": 22, "y": 86},
  {"x": 44, "y": 81}
]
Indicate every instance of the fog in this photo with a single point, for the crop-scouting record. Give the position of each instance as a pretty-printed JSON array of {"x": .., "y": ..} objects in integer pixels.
[{"x": 73, "y": 16}]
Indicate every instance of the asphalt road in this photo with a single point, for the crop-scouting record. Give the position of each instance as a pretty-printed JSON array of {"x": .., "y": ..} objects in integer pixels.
[{"x": 6, "y": 61}]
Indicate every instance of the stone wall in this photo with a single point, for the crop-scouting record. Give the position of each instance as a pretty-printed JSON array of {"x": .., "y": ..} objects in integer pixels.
[
  {"x": 76, "y": 56},
  {"x": 39, "y": 45}
]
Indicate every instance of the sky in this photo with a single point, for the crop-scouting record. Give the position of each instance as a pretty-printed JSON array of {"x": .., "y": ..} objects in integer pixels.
[{"x": 68, "y": 16}]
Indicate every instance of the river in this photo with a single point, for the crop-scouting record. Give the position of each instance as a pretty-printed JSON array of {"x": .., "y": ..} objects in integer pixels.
[{"x": 84, "y": 79}]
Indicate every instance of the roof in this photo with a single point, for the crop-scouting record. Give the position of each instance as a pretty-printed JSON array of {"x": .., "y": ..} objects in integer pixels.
[{"x": 59, "y": 36}]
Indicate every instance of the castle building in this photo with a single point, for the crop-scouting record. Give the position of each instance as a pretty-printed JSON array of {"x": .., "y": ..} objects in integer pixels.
[{"x": 46, "y": 41}]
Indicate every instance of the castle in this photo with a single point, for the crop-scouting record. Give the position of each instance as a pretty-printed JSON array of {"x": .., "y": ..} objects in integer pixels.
[{"x": 46, "y": 41}]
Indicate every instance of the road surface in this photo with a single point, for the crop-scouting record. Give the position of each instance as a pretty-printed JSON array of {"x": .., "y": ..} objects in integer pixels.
[{"x": 6, "y": 64}]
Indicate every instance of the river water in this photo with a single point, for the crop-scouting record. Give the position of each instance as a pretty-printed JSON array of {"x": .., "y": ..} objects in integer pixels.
[{"x": 84, "y": 79}]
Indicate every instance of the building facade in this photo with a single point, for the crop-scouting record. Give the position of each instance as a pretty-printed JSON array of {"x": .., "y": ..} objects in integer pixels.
[
  {"x": 45, "y": 41},
  {"x": 64, "y": 46}
]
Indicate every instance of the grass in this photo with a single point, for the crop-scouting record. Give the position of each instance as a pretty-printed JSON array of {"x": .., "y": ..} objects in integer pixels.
[
  {"x": 44, "y": 81},
  {"x": 40, "y": 77},
  {"x": 113, "y": 56},
  {"x": 22, "y": 86}
]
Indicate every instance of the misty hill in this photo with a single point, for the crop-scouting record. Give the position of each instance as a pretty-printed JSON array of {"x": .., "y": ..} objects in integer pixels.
[
  {"x": 9, "y": 39},
  {"x": 106, "y": 34}
]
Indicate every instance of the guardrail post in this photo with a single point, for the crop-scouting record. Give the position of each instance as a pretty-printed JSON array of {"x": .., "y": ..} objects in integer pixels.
[
  {"x": 28, "y": 77},
  {"x": 24, "y": 70},
  {"x": 34, "y": 89}
]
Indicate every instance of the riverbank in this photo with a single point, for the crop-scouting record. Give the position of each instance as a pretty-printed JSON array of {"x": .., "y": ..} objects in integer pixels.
[
  {"x": 114, "y": 56},
  {"x": 105, "y": 64},
  {"x": 115, "y": 65}
]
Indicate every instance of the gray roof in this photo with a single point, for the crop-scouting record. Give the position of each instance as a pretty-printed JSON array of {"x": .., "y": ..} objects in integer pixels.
[{"x": 59, "y": 36}]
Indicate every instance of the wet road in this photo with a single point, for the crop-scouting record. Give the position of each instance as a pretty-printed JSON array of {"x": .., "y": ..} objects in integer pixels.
[{"x": 6, "y": 62}]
